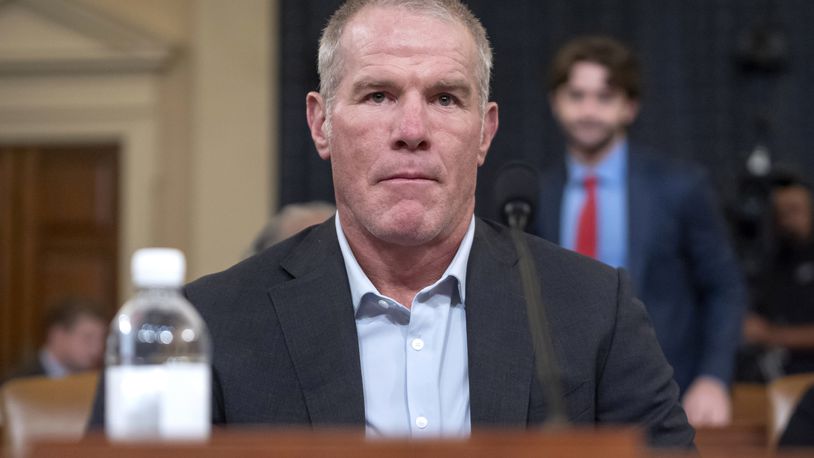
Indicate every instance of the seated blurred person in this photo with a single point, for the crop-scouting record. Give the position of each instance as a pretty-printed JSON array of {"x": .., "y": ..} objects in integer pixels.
[
  {"x": 784, "y": 304},
  {"x": 291, "y": 219},
  {"x": 75, "y": 332}
]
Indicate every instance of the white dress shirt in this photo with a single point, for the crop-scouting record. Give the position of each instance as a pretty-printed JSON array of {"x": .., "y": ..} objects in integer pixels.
[{"x": 414, "y": 360}]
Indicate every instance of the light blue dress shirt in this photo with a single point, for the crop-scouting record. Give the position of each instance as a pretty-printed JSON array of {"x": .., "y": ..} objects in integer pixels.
[
  {"x": 612, "y": 208},
  {"x": 53, "y": 368},
  {"x": 415, "y": 372}
]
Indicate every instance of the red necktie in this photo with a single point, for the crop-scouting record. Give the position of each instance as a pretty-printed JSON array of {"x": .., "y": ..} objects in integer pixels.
[{"x": 586, "y": 230}]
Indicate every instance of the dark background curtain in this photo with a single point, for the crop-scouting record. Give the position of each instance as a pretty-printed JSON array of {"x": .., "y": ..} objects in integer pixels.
[{"x": 698, "y": 104}]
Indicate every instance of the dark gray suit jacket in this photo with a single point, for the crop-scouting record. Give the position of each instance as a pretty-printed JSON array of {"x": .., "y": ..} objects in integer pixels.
[{"x": 286, "y": 350}]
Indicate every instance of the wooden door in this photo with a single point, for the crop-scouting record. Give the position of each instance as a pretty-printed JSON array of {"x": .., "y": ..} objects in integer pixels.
[{"x": 59, "y": 234}]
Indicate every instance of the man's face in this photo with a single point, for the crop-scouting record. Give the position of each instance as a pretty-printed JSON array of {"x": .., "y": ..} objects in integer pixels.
[
  {"x": 593, "y": 114},
  {"x": 80, "y": 346},
  {"x": 407, "y": 131},
  {"x": 793, "y": 212}
]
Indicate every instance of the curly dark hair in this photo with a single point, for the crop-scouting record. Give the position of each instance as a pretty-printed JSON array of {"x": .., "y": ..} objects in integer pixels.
[{"x": 618, "y": 59}]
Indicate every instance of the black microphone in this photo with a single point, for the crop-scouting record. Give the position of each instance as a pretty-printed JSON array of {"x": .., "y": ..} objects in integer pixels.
[
  {"x": 517, "y": 192},
  {"x": 517, "y": 189}
]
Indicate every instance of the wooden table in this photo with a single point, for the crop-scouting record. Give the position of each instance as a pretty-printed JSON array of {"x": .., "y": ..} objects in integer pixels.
[
  {"x": 580, "y": 443},
  {"x": 297, "y": 443}
]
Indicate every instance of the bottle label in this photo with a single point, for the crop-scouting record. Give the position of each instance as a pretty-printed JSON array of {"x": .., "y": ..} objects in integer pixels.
[{"x": 166, "y": 401}]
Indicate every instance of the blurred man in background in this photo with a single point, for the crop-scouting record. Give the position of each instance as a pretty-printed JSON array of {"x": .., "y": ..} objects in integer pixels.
[
  {"x": 655, "y": 217},
  {"x": 291, "y": 219},
  {"x": 784, "y": 308},
  {"x": 75, "y": 331}
]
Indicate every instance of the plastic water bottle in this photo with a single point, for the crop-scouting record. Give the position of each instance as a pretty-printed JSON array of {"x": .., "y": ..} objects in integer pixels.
[{"x": 157, "y": 364}]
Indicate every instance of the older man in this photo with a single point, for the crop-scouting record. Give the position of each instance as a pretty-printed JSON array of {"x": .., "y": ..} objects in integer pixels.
[{"x": 404, "y": 313}]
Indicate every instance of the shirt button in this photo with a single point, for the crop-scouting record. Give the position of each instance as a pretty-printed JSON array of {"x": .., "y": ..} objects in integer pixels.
[
  {"x": 417, "y": 345},
  {"x": 422, "y": 422},
  {"x": 383, "y": 303}
]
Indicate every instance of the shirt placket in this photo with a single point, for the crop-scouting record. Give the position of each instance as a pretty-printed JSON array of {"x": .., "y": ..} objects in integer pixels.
[{"x": 423, "y": 351}]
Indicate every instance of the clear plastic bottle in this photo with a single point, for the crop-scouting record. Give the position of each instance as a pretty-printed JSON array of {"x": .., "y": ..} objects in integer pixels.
[{"x": 157, "y": 364}]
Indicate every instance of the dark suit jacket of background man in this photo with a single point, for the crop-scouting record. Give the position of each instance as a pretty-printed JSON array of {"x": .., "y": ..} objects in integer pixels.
[
  {"x": 32, "y": 368},
  {"x": 680, "y": 261},
  {"x": 286, "y": 350}
]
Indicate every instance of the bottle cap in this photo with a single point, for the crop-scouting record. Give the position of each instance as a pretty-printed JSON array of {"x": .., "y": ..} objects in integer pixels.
[{"x": 158, "y": 268}]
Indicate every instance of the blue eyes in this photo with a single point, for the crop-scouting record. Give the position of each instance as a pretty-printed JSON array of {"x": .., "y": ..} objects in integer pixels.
[
  {"x": 445, "y": 100},
  {"x": 377, "y": 97}
]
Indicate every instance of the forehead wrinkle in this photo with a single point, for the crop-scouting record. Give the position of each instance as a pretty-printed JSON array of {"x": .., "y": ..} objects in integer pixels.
[
  {"x": 375, "y": 76},
  {"x": 409, "y": 55}
]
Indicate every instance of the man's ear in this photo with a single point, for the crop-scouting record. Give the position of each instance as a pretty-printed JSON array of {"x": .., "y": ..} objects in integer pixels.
[
  {"x": 490, "y": 123},
  {"x": 315, "y": 111}
]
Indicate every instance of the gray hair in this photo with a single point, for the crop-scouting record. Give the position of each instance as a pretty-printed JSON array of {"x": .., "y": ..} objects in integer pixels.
[{"x": 330, "y": 60}]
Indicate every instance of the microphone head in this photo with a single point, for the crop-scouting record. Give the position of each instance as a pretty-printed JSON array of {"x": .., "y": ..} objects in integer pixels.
[{"x": 517, "y": 191}]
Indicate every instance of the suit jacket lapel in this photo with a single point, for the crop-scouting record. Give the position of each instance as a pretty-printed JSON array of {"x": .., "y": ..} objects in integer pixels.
[
  {"x": 499, "y": 346},
  {"x": 639, "y": 218},
  {"x": 316, "y": 316},
  {"x": 317, "y": 319},
  {"x": 548, "y": 223}
]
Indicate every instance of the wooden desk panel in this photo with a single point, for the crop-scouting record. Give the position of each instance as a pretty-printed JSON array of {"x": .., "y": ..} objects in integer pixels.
[
  {"x": 278, "y": 443},
  {"x": 721, "y": 443},
  {"x": 738, "y": 435}
]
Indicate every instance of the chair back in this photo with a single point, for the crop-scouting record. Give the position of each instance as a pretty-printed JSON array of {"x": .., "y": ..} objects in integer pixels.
[
  {"x": 44, "y": 408},
  {"x": 784, "y": 395}
]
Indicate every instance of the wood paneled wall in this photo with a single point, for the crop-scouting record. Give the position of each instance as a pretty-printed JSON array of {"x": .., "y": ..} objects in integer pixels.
[{"x": 59, "y": 236}]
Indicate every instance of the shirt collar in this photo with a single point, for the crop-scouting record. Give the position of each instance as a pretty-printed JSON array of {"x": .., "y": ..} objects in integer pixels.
[
  {"x": 53, "y": 368},
  {"x": 611, "y": 170},
  {"x": 360, "y": 284}
]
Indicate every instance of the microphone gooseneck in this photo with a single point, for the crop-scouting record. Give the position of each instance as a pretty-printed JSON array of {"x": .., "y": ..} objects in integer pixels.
[{"x": 516, "y": 191}]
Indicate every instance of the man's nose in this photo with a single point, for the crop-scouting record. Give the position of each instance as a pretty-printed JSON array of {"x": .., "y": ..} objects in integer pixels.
[
  {"x": 589, "y": 105},
  {"x": 410, "y": 129}
]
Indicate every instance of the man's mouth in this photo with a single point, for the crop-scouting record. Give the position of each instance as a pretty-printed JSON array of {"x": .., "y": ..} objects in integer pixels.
[
  {"x": 407, "y": 177},
  {"x": 588, "y": 125}
]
